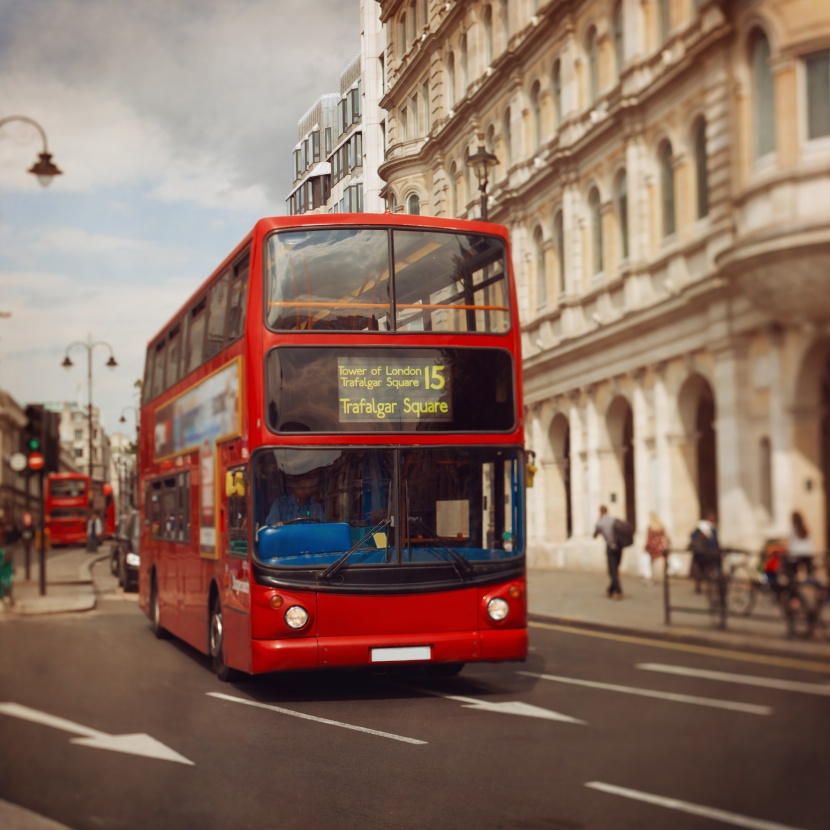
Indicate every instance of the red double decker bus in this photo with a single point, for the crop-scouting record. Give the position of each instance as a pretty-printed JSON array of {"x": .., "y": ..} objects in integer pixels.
[
  {"x": 66, "y": 505},
  {"x": 333, "y": 471}
]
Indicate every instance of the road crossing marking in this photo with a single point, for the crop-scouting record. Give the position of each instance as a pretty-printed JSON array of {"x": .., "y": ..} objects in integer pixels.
[
  {"x": 326, "y": 721},
  {"x": 746, "y": 708},
  {"x": 724, "y": 816},
  {"x": 746, "y": 657},
  {"x": 744, "y": 679}
]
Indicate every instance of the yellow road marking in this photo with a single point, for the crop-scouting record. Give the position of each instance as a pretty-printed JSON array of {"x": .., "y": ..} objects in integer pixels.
[{"x": 765, "y": 659}]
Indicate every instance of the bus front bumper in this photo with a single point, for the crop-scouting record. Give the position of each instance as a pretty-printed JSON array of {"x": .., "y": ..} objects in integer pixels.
[{"x": 356, "y": 651}]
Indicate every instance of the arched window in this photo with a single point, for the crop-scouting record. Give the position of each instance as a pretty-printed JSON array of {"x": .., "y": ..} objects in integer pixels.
[
  {"x": 596, "y": 231},
  {"x": 557, "y": 92},
  {"x": 619, "y": 41},
  {"x": 701, "y": 163},
  {"x": 817, "y": 67},
  {"x": 621, "y": 198},
  {"x": 402, "y": 33},
  {"x": 488, "y": 35},
  {"x": 541, "y": 276},
  {"x": 450, "y": 80},
  {"x": 453, "y": 206},
  {"x": 592, "y": 50},
  {"x": 536, "y": 113},
  {"x": 559, "y": 240},
  {"x": 413, "y": 205},
  {"x": 464, "y": 67},
  {"x": 508, "y": 139},
  {"x": 763, "y": 95},
  {"x": 667, "y": 188},
  {"x": 413, "y": 21}
]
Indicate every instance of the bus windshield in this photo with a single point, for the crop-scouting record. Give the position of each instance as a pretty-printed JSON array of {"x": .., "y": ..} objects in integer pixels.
[
  {"x": 377, "y": 279},
  {"x": 377, "y": 506}
]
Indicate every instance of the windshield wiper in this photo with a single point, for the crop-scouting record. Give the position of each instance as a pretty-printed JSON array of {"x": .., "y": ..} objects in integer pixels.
[
  {"x": 341, "y": 560},
  {"x": 453, "y": 556}
]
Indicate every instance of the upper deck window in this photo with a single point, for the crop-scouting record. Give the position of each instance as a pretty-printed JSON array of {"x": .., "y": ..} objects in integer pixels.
[{"x": 338, "y": 279}]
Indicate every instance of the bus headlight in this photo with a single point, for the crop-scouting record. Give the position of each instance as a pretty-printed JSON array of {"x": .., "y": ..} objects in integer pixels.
[
  {"x": 296, "y": 617},
  {"x": 497, "y": 609}
]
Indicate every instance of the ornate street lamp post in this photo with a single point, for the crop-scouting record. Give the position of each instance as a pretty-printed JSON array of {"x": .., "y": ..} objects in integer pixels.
[
  {"x": 44, "y": 168},
  {"x": 67, "y": 364},
  {"x": 482, "y": 162}
]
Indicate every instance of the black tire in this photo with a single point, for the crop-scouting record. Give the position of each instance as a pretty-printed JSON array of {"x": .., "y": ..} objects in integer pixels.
[
  {"x": 216, "y": 643},
  {"x": 155, "y": 611}
]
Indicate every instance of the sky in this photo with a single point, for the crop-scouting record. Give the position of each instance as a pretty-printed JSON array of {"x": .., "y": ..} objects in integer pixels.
[{"x": 174, "y": 123}]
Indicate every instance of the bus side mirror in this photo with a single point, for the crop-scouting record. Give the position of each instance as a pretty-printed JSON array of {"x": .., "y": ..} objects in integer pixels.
[{"x": 234, "y": 484}]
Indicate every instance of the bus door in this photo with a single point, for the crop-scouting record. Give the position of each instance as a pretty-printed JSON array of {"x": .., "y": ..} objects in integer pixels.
[{"x": 234, "y": 564}]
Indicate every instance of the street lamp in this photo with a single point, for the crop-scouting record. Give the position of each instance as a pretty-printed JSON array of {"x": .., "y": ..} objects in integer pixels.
[
  {"x": 68, "y": 364},
  {"x": 44, "y": 168},
  {"x": 482, "y": 162}
]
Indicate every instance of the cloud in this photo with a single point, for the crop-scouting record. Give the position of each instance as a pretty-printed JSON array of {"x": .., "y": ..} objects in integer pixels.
[{"x": 201, "y": 96}]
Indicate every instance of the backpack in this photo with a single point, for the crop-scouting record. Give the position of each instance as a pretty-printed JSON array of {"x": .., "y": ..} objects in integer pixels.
[{"x": 623, "y": 534}]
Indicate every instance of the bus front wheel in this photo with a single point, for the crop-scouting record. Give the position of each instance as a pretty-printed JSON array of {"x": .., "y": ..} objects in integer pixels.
[
  {"x": 216, "y": 643},
  {"x": 155, "y": 611}
]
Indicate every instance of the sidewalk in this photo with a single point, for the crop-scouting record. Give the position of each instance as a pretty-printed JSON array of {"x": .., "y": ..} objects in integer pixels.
[
  {"x": 572, "y": 598},
  {"x": 69, "y": 586}
]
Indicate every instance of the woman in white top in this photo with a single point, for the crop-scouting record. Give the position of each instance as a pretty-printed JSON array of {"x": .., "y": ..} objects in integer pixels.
[{"x": 799, "y": 547}]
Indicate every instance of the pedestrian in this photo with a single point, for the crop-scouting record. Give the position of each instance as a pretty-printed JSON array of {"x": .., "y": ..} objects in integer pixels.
[
  {"x": 613, "y": 551},
  {"x": 705, "y": 548},
  {"x": 799, "y": 548},
  {"x": 94, "y": 532},
  {"x": 656, "y": 548}
]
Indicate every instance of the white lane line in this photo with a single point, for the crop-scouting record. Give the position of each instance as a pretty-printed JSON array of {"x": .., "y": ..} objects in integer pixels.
[
  {"x": 724, "y": 816},
  {"x": 326, "y": 721},
  {"x": 744, "y": 679},
  {"x": 747, "y": 708}
]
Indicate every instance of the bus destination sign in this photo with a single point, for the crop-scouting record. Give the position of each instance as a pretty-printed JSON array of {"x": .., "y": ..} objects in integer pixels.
[{"x": 412, "y": 390}]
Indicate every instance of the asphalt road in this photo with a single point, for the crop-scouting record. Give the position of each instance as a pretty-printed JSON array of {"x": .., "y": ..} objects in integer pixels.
[{"x": 591, "y": 732}]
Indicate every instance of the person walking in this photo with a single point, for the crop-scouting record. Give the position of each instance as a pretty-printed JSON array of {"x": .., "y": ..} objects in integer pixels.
[
  {"x": 613, "y": 551},
  {"x": 799, "y": 548},
  {"x": 656, "y": 548},
  {"x": 94, "y": 532},
  {"x": 705, "y": 548}
]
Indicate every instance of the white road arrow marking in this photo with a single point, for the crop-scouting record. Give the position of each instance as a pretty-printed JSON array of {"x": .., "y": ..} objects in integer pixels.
[
  {"x": 509, "y": 707},
  {"x": 137, "y": 744}
]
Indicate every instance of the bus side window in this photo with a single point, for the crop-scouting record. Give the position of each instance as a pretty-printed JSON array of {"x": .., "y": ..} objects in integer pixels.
[
  {"x": 196, "y": 336},
  {"x": 173, "y": 348},
  {"x": 239, "y": 292},
  {"x": 158, "y": 369},
  {"x": 217, "y": 316}
]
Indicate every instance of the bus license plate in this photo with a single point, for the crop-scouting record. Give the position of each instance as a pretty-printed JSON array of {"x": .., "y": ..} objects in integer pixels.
[{"x": 401, "y": 654}]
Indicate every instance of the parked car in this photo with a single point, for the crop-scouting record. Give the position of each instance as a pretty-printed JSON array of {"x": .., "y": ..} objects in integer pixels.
[{"x": 124, "y": 551}]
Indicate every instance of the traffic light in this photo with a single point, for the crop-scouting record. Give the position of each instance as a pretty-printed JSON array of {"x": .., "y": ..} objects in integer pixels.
[{"x": 33, "y": 430}]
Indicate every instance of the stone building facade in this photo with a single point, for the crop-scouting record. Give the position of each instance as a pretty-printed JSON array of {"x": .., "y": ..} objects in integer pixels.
[{"x": 664, "y": 170}]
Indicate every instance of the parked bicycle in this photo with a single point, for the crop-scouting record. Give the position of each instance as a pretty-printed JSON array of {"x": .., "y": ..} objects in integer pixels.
[{"x": 728, "y": 585}]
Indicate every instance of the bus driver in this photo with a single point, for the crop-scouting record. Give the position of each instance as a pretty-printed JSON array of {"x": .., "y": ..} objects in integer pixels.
[{"x": 298, "y": 503}]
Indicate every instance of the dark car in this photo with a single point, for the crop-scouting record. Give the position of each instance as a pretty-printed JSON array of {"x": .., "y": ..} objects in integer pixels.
[{"x": 124, "y": 551}]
